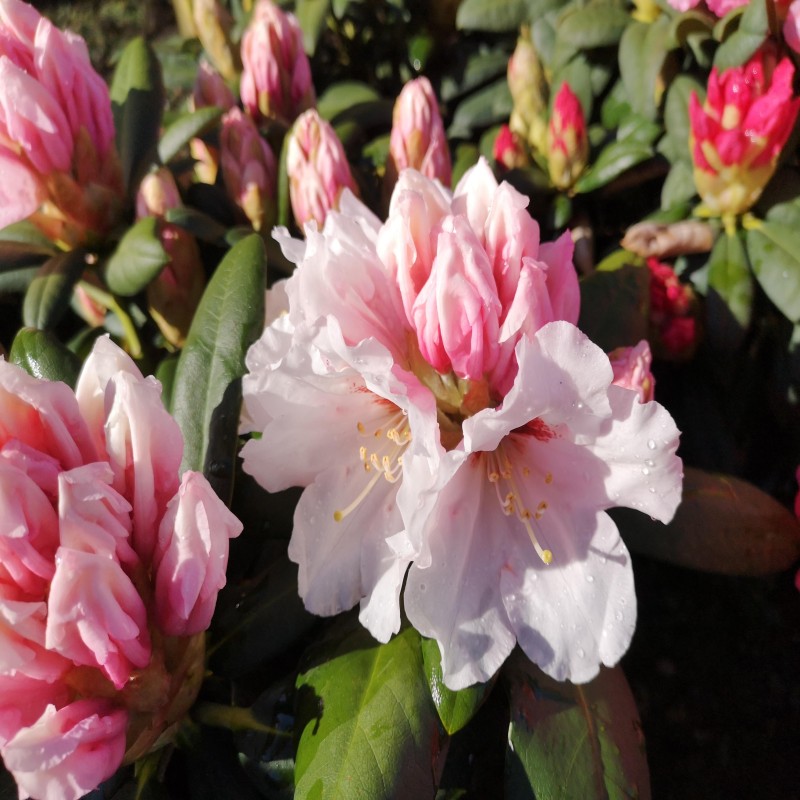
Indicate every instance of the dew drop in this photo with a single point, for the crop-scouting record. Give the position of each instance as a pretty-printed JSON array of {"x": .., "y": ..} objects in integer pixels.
[
  {"x": 579, "y": 406},
  {"x": 590, "y": 579},
  {"x": 649, "y": 462},
  {"x": 618, "y": 616},
  {"x": 651, "y": 443},
  {"x": 422, "y": 587},
  {"x": 652, "y": 490},
  {"x": 645, "y": 471},
  {"x": 581, "y": 652}
]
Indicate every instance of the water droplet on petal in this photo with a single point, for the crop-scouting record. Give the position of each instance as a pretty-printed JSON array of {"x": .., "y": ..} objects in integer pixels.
[
  {"x": 649, "y": 462},
  {"x": 581, "y": 652},
  {"x": 651, "y": 443},
  {"x": 590, "y": 579},
  {"x": 645, "y": 471},
  {"x": 652, "y": 490},
  {"x": 618, "y": 616},
  {"x": 422, "y": 587}
]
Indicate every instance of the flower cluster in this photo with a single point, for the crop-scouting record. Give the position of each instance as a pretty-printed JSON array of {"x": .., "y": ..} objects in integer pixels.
[
  {"x": 110, "y": 567},
  {"x": 429, "y": 388}
]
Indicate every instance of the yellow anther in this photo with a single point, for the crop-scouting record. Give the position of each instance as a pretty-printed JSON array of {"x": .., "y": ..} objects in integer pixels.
[
  {"x": 362, "y": 453},
  {"x": 361, "y": 428},
  {"x": 542, "y": 506}
]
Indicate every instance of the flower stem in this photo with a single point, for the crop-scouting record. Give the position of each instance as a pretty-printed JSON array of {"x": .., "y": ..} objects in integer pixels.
[
  {"x": 107, "y": 300},
  {"x": 234, "y": 718}
]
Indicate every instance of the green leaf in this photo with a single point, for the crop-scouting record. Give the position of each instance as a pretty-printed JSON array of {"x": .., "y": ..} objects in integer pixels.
[
  {"x": 184, "y": 129},
  {"x": 753, "y": 30},
  {"x": 368, "y": 728},
  {"x": 614, "y": 159},
  {"x": 723, "y": 524},
  {"x": 614, "y": 306},
  {"x": 597, "y": 24},
  {"x": 567, "y": 741},
  {"x": 200, "y": 225},
  {"x": 284, "y": 213},
  {"x": 729, "y": 275},
  {"x": 229, "y": 318},
  {"x": 19, "y": 263},
  {"x": 675, "y": 144},
  {"x": 25, "y": 232},
  {"x": 312, "y": 15},
  {"x": 165, "y": 373},
  {"x": 491, "y": 15},
  {"x": 50, "y": 291},
  {"x": 485, "y": 107},
  {"x": 343, "y": 95},
  {"x": 678, "y": 186},
  {"x": 138, "y": 259},
  {"x": 480, "y": 68},
  {"x": 642, "y": 50},
  {"x": 137, "y": 99},
  {"x": 455, "y": 709},
  {"x": 42, "y": 355},
  {"x": 466, "y": 156},
  {"x": 774, "y": 252}
]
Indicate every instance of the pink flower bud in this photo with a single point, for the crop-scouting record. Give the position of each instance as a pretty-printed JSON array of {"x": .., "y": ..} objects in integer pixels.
[
  {"x": 248, "y": 169},
  {"x": 68, "y": 752},
  {"x": 210, "y": 89},
  {"x": 206, "y": 161},
  {"x": 418, "y": 139},
  {"x": 631, "y": 366},
  {"x": 738, "y": 133},
  {"x": 672, "y": 313},
  {"x": 567, "y": 141},
  {"x": 56, "y": 130},
  {"x": 317, "y": 167},
  {"x": 509, "y": 150},
  {"x": 157, "y": 194},
  {"x": 276, "y": 78}
]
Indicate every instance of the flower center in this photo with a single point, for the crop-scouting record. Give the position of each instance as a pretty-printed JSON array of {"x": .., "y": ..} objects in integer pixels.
[
  {"x": 381, "y": 455},
  {"x": 509, "y": 482}
]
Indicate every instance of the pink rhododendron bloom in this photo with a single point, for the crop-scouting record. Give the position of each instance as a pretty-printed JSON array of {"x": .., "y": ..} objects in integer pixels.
[
  {"x": 317, "y": 167},
  {"x": 417, "y": 139},
  {"x": 717, "y": 7},
  {"x": 276, "y": 81},
  {"x": 631, "y": 367},
  {"x": 97, "y": 659},
  {"x": 57, "y": 155},
  {"x": 248, "y": 169},
  {"x": 454, "y": 429},
  {"x": 567, "y": 139},
  {"x": 738, "y": 132}
]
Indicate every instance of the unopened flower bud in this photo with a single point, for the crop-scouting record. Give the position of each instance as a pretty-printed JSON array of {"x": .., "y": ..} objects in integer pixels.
[
  {"x": 672, "y": 313},
  {"x": 631, "y": 366},
  {"x": 210, "y": 89},
  {"x": 317, "y": 167},
  {"x": 214, "y": 23},
  {"x": 418, "y": 139},
  {"x": 738, "y": 133},
  {"x": 528, "y": 88},
  {"x": 206, "y": 160},
  {"x": 509, "y": 149},
  {"x": 276, "y": 78},
  {"x": 248, "y": 169},
  {"x": 567, "y": 141}
]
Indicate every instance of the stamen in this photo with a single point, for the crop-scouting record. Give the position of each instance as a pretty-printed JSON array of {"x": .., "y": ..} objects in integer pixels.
[{"x": 339, "y": 515}]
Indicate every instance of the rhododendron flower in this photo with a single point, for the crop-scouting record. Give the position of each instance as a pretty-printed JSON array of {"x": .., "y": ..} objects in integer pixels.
[
  {"x": 738, "y": 133},
  {"x": 567, "y": 140},
  {"x": 631, "y": 368},
  {"x": 672, "y": 313},
  {"x": 57, "y": 154},
  {"x": 418, "y": 139},
  {"x": 509, "y": 151},
  {"x": 317, "y": 167},
  {"x": 110, "y": 566},
  {"x": 276, "y": 81},
  {"x": 453, "y": 428}
]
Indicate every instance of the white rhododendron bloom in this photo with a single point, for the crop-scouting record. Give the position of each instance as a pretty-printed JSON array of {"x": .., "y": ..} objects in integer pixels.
[{"x": 429, "y": 388}]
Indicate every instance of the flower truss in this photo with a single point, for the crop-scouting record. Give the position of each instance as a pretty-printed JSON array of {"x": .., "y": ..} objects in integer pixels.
[{"x": 455, "y": 430}]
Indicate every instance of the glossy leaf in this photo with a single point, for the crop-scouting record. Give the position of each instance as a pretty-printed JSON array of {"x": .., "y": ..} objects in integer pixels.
[
  {"x": 642, "y": 50},
  {"x": 675, "y": 144},
  {"x": 485, "y": 107},
  {"x": 729, "y": 275},
  {"x": 49, "y": 293},
  {"x": 480, "y": 68},
  {"x": 567, "y": 741},
  {"x": 740, "y": 45},
  {"x": 774, "y": 252},
  {"x": 614, "y": 159},
  {"x": 723, "y": 524},
  {"x": 19, "y": 263},
  {"x": 201, "y": 225},
  {"x": 42, "y": 355},
  {"x": 137, "y": 99},
  {"x": 138, "y": 259},
  {"x": 678, "y": 186},
  {"x": 614, "y": 306},
  {"x": 343, "y": 95},
  {"x": 455, "y": 709},
  {"x": 491, "y": 15},
  {"x": 229, "y": 318},
  {"x": 596, "y": 24},
  {"x": 184, "y": 129},
  {"x": 367, "y": 725},
  {"x": 311, "y": 14}
]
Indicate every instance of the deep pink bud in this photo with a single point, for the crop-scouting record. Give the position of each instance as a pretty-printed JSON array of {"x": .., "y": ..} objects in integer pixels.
[
  {"x": 509, "y": 150},
  {"x": 317, "y": 167},
  {"x": 210, "y": 89},
  {"x": 738, "y": 133},
  {"x": 418, "y": 139},
  {"x": 248, "y": 169},
  {"x": 276, "y": 78},
  {"x": 672, "y": 313},
  {"x": 631, "y": 367},
  {"x": 567, "y": 141}
]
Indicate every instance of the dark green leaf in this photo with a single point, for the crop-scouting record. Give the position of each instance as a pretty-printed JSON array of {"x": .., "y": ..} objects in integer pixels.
[
  {"x": 723, "y": 524},
  {"x": 42, "y": 355},
  {"x": 455, "y": 709},
  {"x": 284, "y": 199},
  {"x": 729, "y": 275},
  {"x": 491, "y": 15},
  {"x": 485, "y": 107},
  {"x": 184, "y": 129},
  {"x": 642, "y": 50},
  {"x": 774, "y": 252},
  {"x": 343, "y": 95},
  {"x": 614, "y": 159},
  {"x": 597, "y": 24},
  {"x": 466, "y": 156},
  {"x": 25, "y": 232},
  {"x": 678, "y": 186},
  {"x": 165, "y": 373},
  {"x": 19, "y": 263},
  {"x": 138, "y": 259},
  {"x": 201, "y": 225},
  {"x": 367, "y": 725},
  {"x": 568, "y": 741},
  {"x": 739, "y": 46},
  {"x": 614, "y": 306},
  {"x": 481, "y": 67},
  {"x": 50, "y": 291},
  {"x": 312, "y": 14},
  {"x": 17, "y": 281},
  {"x": 675, "y": 144},
  {"x": 137, "y": 99},
  {"x": 229, "y": 318}
]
